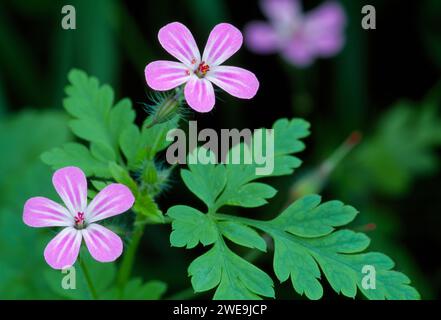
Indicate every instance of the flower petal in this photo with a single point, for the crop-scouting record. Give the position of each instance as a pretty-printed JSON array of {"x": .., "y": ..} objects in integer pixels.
[
  {"x": 299, "y": 51},
  {"x": 224, "y": 41},
  {"x": 112, "y": 200},
  {"x": 166, "y": 75},
  {"x": 71, "y": 185},
  {"x": 179, "y": 42},
  {"x": 199, "y": 94},
  {"x": 324, "y": 28},
  {"x": 103, "y": 244},
  {"x": 261, "y": 38},
  {"x": 62, "y": 251},
  {"x": 43, "y": 212},
  {"x": 282, "y": 12},
  {"x": 236, "y": 81}
]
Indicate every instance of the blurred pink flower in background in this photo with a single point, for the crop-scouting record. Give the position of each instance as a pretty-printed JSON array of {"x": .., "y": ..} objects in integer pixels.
[
  {"x": 198, "y": 73},
  {"x": 78, "y": 218},
  {"x": 300, "y": 38}
]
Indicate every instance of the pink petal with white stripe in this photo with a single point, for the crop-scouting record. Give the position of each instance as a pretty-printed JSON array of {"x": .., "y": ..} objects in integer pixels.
[
  {"x": 224, "y": 41},
  {"x": 261, "y": 37},
  {"x": 282, "y": 12},
  {"x": 112, "y": 200},
  {"x": 103, "y": 244},
  {"x": 42, "y": 212},
  {"x": 324, "y": 28},
  {"x": 62, "y": 251},
  {"x": 299, "y": 51},
  {"x": 179, "y": 42},
  {"x": 236, "y": 81},
  {"x": 71, "y": 185},
  {"x": 199, "y": 94},
  {"x": 166, "y": 75}
]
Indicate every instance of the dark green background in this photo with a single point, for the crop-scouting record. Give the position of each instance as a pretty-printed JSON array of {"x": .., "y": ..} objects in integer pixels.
[{"x": 385, "y": 83}]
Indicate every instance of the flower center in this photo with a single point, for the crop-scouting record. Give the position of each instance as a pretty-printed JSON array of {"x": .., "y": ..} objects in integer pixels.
[
  {"x": 202, "y": 69},
  {"x": 79, "y": 221}
]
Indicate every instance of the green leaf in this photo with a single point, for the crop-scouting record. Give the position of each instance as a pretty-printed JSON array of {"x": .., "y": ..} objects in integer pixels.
[
  {"x": 102, "y": 152},
  {"x": 287, "y": 135},
  {"x": 190, "y": 227},
  {"x": 99, "y": 185},
  {"x": 292, "y": 260},
  {"x": 153, "y": 139},
  {"x": 138, "y": 146},
  {"x": 74, "y": 154},
  {"x": 102, "y": 274},
  {"x": 300, "y": 254},
  {"x": 147, "y": 207},
  {"x": 306, "y": 242},
  {"x": 112, "y": 134},
  {"x": 344, "y": 271},
  {"x": 242, "y": 235},
  {"x": 304, "y": 256},
  {"x": 96, "y": 119},
  {"x": 130, "y": 141},
  {"x": 338, "y": 257},
  {"x": 121, "y": 175},
  {"x": 229, "y": 184},
  {"x": 252, "y": 195},
  {"x": 121, "y": 116},
  {"x": 306, "y": 218},
  {"x": 236, "y": 277},
  {"x": 151, "y": 290},
  {"x": 135, "y": 289},
  {"x": 205, "y": 180}
]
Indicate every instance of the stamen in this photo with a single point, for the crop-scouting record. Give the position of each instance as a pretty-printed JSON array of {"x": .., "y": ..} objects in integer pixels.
[
  {"x": 203, "y": 68},
  {"x": 79, "y": 220}
]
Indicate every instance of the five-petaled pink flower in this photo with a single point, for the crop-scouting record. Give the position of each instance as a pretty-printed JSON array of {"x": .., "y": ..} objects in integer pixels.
[
  {"x": 78, "y": 218},
  {"x": 299, "y": 38},
  {"x": 198, "y": 73}
]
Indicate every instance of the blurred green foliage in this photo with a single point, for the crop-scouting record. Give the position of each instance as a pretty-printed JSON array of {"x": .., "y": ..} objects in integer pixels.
[
  {"x": 24, "y": 137},
  {"x": 400, "y": 148},
  {"x": 24, "y": 273}
]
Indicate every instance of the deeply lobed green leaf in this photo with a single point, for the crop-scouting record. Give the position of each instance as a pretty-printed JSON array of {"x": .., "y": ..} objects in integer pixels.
[
  {"x": 235, "y": 278},
  {"x": 307, "y": 242}
]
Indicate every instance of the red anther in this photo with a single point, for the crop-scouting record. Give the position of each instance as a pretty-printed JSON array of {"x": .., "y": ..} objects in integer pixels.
[
  {"x": 203, "y": 68},
  {"x": 79, "y": 219},
  {"x": 370, "y": 227},
  {"x": 354, "y": 138}
]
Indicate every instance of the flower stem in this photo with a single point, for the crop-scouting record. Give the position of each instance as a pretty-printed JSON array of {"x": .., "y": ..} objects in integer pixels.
[
  {"x": 165, "y": 110},
  {"x": 126, "y": 266},
  {"x": 92, "y": 290},
  {"x": 129, "y": 257},
  {"x": 315, "y": 180}
]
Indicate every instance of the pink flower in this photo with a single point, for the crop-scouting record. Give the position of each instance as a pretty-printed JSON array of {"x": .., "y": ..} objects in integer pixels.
[
  {"x": 78, "y": 218},
  {"x": 300, "y": 38},
  {"x": 198, "y": 73}
]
